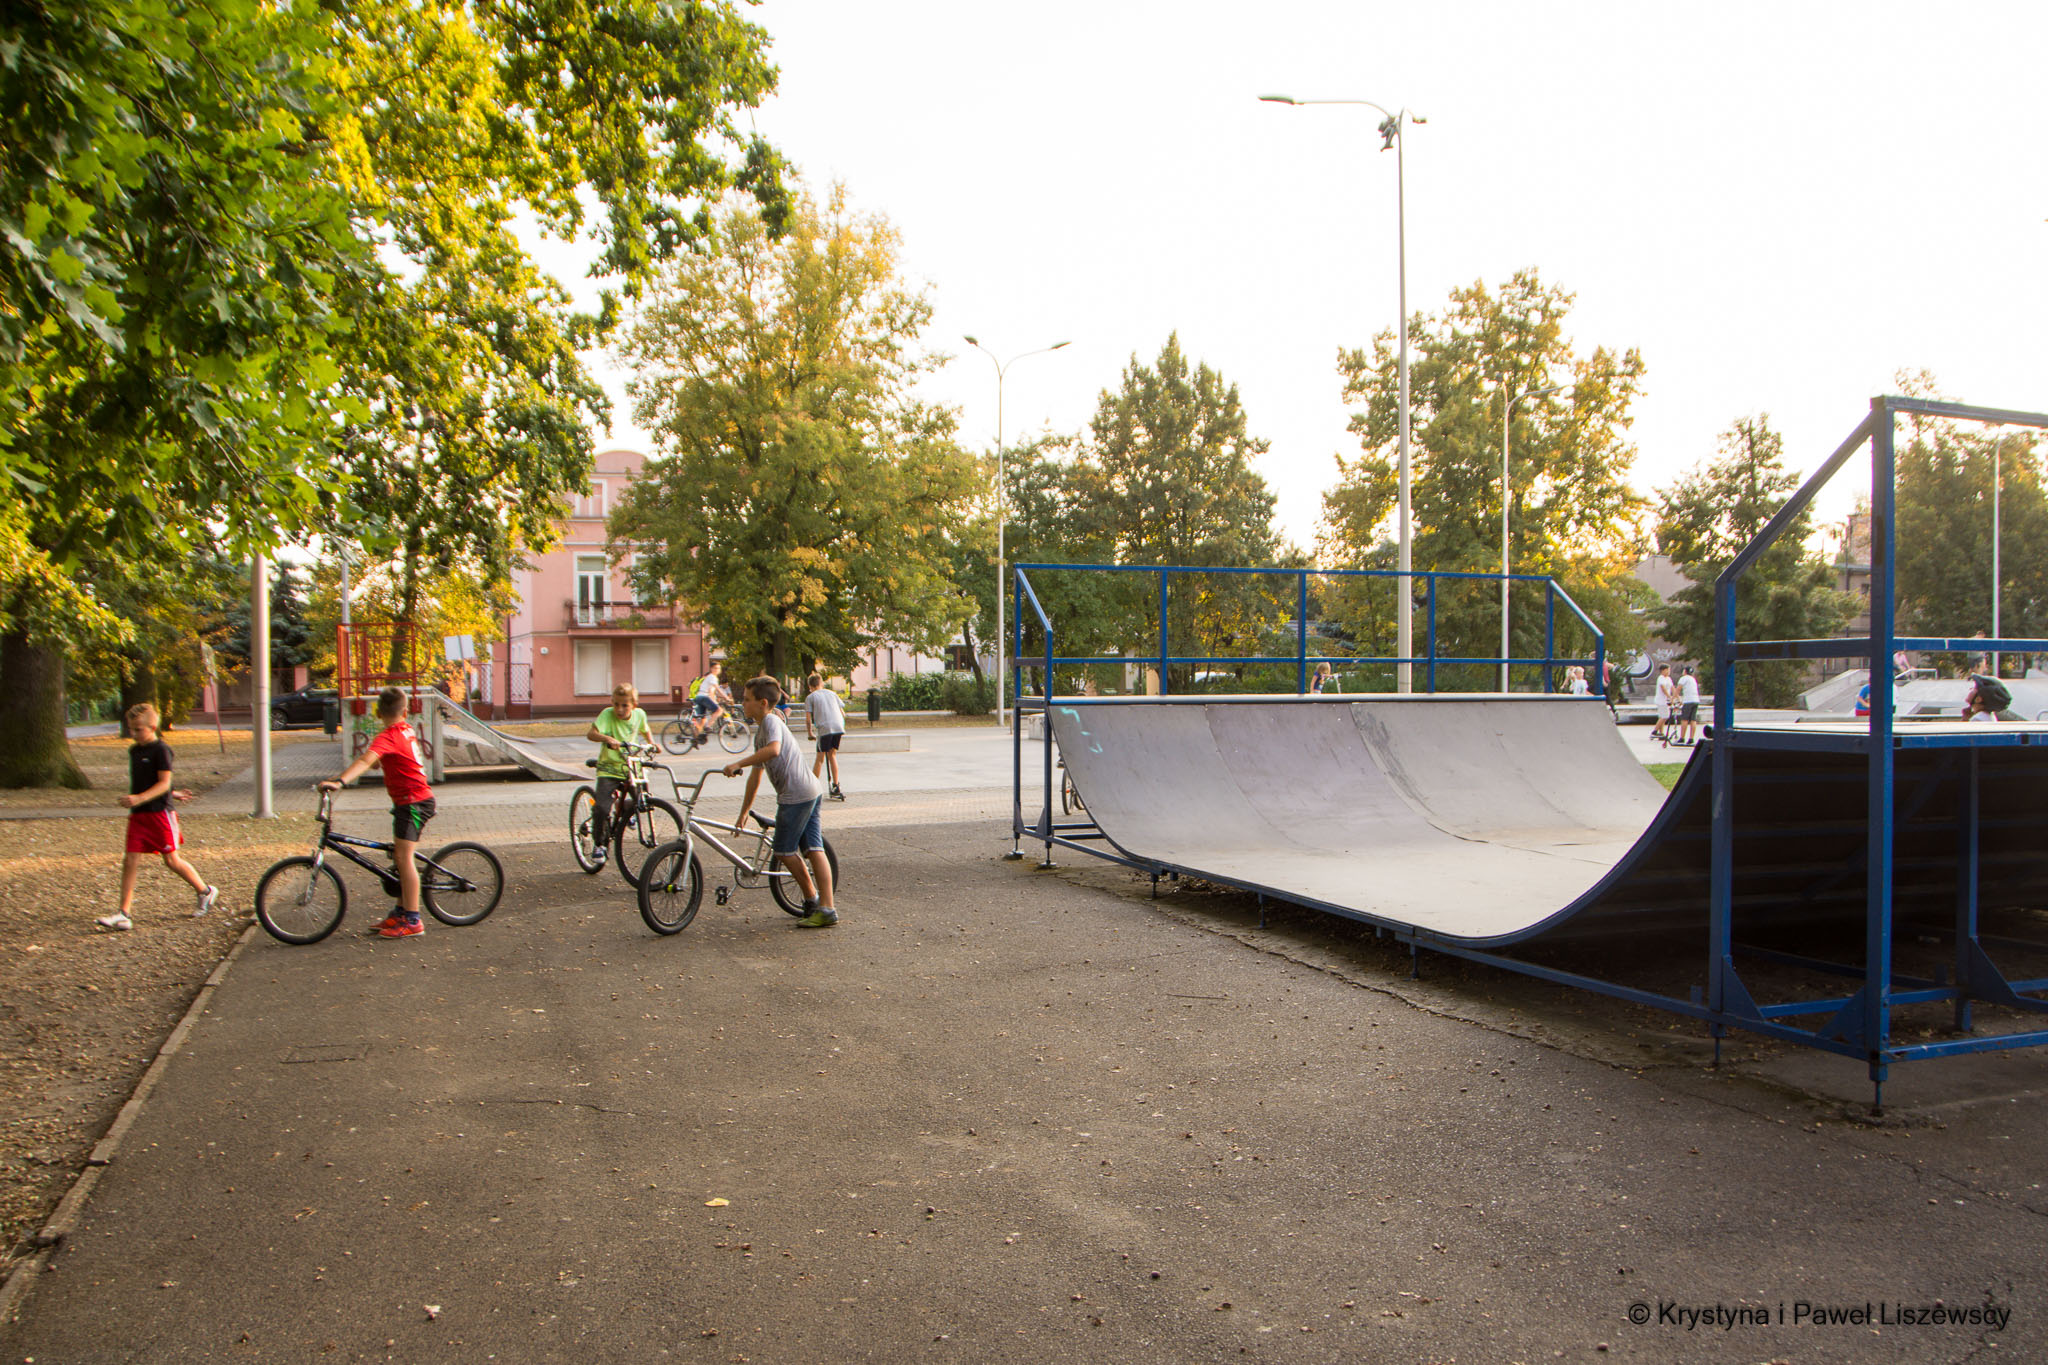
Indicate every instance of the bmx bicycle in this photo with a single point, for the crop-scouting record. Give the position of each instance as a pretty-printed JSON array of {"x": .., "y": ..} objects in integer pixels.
[
  {"x": 730, "y": 728},
  {"x": 651, "y": 821},
  {"x": 301, "y": 899},
  {"x": 672, "y": 881}
]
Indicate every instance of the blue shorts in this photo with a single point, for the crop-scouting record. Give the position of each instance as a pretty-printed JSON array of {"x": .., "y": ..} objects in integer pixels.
[
  {"x": 701, "y": 705},
  {"x": 799, "y": 826}
]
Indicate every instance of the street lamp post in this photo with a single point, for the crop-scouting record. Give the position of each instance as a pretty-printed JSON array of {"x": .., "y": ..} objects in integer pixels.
[
  {"x": 1391, "y": 127},
  {"x": 1002, "y": 491},
  {"x": 1507, "y": 423}
]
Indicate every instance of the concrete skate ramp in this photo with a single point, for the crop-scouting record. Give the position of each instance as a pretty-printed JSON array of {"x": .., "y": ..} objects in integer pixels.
[
  {"x": 462, "y": 739},
  {"x": 1490, "y": 820}
]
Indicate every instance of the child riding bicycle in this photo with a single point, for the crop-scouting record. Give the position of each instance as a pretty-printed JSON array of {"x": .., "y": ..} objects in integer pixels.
[
  {"x": 708, "y": 699},
  {"x": 618, "y": 725}
]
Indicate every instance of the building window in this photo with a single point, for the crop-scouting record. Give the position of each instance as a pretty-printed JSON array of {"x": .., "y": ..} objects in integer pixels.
[
  {"x": 591, "y": 504},
  {"x": 593, "y": 668},
  {"x": 590, "y": 589}
]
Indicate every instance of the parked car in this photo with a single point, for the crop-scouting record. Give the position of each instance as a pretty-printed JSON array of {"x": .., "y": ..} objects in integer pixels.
[{"x": 307, "y": 706}]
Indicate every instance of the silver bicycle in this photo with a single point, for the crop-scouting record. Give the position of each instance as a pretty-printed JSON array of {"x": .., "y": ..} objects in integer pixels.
[{"x": 672, "y": 881}]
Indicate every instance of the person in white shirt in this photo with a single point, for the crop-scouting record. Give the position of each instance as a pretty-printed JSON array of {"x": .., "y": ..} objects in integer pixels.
[
  {"x": 1689, "y": 707},
  {"x": 825, "y": 719},
  {"x": 1667, "y": 705}
]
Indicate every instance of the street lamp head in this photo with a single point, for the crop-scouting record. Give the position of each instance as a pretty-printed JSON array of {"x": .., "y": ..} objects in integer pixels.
[
  {"x": 1276, "y": 99},
  {"x": 970, "y": 341},
  {"x": 1057, "y": 344}
]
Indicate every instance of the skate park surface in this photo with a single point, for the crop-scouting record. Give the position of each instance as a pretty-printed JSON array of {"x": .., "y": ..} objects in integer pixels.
[{"x": 1000, "y": 1113}]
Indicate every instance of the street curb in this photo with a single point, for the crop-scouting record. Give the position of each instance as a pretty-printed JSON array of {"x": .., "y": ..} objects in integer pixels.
[{"x": 64, "y": 1219}]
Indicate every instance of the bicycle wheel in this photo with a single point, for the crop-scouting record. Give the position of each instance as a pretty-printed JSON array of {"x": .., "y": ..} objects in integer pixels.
[
  {"x": 675, "y": 736},
  {"x": 671, "y": 887},
  {"x": 734, "y": 736},
  {"x": 463, "y": 883},
  {"x": 783, "y": 887},
  {"x": 300, "y": 901},
  {"x": 582, "y": 815},
  {"x": 656, "y": 823}
]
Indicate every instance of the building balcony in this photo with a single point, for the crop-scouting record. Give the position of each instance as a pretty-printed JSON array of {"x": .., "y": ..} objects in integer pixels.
[{"x": 617, "y": 616}]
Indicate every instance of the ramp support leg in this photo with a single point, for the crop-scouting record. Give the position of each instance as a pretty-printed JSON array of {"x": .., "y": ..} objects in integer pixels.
[
  {"x": 1966, "y": 889},
  {"x": 1414, "y": 960},
  {"x": 1262, "y": 909}
]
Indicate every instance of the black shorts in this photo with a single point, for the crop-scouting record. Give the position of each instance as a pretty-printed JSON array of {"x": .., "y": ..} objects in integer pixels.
[
  {"x": 408, "y": 821},
  {"x": 1689, "y": 712},
  {"x": 827, "y": 743}
]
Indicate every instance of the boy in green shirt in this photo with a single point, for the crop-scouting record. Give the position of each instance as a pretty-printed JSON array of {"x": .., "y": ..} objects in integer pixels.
[{"x": 620, "y": 724}]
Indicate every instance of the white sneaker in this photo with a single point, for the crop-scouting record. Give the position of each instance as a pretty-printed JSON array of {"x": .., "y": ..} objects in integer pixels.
[
  {"x": 115, "y": 922},
  {"x": 206, "y": 901}
]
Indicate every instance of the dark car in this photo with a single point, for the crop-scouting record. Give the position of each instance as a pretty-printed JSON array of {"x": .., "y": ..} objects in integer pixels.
[{"x": 307, "y": 706}]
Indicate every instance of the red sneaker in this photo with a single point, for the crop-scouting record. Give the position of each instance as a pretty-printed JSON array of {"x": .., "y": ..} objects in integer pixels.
[{"x": 401, "y": 926}]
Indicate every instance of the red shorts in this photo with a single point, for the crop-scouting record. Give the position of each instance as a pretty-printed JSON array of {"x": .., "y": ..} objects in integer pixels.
[{"x": 153, "y": 831}]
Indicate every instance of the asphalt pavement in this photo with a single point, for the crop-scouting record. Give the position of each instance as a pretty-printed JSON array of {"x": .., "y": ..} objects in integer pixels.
[{"x": 1005, "y": 1114}]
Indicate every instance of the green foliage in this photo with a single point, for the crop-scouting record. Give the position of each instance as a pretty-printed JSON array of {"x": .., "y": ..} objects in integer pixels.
[
  {"x": 1572, "y": 513},
  {"x": 955, "y": 690},
  {"x": 1706, "y": 518},
  {"x": 808, "y": 505},
  {"x": 1944, "y": 525}
]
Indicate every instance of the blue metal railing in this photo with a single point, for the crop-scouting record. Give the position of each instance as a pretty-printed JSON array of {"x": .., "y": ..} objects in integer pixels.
[{"x": 1550, "y": 661}]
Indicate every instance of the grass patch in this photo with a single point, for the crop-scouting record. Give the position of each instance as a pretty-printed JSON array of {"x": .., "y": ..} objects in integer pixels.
[{"x": 1667, "y": 773}]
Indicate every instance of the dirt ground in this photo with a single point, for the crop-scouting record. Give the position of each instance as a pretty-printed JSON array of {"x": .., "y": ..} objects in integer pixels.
[{"x": 82, "y": 1012}]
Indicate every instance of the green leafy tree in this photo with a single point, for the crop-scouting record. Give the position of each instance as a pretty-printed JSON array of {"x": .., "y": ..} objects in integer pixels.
[
  {"x": 1572, "y": 512},
  {"x": 808, "y": 505},
  {"x": 1946, "y": 474},
  {"x": 171, "y": 233},
  {"x": 1705, "y": 520}
]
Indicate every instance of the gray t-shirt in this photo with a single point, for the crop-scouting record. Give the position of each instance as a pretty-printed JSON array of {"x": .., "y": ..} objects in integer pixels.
[
  {"x": 826, "y": 716},
  {"x": 788, "y": 772}
]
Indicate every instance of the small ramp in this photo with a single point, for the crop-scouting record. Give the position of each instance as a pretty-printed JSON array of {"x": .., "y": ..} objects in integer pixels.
[{"x": 462, "y": 739}]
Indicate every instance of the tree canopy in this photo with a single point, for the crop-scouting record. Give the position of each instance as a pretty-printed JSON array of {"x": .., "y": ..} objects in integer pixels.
[{"x": 806, "y": 505}]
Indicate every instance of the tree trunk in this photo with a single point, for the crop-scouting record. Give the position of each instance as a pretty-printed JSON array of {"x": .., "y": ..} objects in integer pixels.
[
  {"x": 34, "y": 751},
  {"x": 973, "y": 653},
  {"x": 138, "y": 685}
]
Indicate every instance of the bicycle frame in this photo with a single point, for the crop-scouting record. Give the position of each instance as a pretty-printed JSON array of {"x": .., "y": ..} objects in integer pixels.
[
  {"x": 346, "y": 844},
  {"x": 762, "y": 861}
]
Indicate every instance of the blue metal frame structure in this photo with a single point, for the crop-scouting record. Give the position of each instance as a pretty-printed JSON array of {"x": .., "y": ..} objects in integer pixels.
[{"x": 1857, "y": 1024}]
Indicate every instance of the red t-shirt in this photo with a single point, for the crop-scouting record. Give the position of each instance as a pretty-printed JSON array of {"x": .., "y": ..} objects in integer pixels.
[{"x": 405, "y": 774}]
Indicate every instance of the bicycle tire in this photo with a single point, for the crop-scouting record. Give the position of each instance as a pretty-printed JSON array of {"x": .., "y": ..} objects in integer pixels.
[
  {"x": 582, "y": 815},
  {"x": 467, "y": 885},
  {"x": 783, "y": 886},
  {"x": 638, "y": 835},
  {"x": 300, "y": 912},
  {"x": 734, "y": 735},
  {"x": 671, "y": 887},
  {"x": 676, "y": 736}
]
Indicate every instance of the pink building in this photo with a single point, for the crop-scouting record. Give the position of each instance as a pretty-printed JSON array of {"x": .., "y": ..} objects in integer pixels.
[{"x": 579, "y": 629}]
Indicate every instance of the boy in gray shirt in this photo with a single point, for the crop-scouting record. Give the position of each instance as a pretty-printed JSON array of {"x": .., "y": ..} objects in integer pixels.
[
  {"x": 825, "y": 718},
  {"x": 799, "y": 796}
]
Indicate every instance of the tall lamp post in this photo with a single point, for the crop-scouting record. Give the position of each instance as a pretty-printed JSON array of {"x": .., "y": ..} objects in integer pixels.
[
  {"x": 1507, "y": 424},
  {"x": 1391, "y": 126},
  {"x": 1002, "y": 491}
]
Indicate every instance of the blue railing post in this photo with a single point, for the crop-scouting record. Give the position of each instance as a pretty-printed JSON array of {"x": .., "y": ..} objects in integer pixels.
[
  {"x": 1549, "y": 636},
  {"x": 1877, "y": 981},
  {"x": 1165, "y": 687},
  {"x": 1301, "y": 636},
  {"x": 1431, "y": 580}
]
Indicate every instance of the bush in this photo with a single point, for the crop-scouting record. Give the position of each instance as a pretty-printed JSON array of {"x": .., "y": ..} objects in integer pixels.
[
  {"x": 965, "y": 695},
  {"x": 956, "y": 691}
]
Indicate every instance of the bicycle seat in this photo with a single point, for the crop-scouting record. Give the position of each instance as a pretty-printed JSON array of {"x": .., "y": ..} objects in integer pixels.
[
  {"x": 763, "y": 821},
  {"x": 590, "y": 763}
]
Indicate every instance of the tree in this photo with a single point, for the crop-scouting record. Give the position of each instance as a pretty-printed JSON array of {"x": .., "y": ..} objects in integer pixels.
[
  {"x": 1705, "y": 520},
  {"x": 172, "y": 233},
  {"x": 1572, "y": 512},
  {"x": 807, "y": 505}
]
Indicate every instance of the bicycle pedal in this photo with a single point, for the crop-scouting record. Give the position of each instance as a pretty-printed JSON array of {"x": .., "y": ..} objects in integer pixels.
[{"x": 724, "y": 895}]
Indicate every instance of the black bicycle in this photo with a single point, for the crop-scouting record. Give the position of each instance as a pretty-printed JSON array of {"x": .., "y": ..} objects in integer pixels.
[
  {"x": 730, "y": 727},
  {"x": 635, "y": 821},
  {"x": 302, "y": 899}
]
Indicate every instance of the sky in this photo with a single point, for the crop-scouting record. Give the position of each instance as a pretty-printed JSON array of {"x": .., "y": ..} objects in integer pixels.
[{"x": 1780, "y": 205}]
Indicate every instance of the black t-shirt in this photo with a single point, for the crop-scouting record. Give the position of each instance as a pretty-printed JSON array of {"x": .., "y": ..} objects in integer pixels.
[{"x": 146, "y": 764}]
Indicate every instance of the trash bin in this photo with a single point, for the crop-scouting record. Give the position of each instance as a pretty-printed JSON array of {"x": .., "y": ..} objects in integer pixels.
[
  {"x": 330, "y": 715},
  {"x": 874, "y": 708}
]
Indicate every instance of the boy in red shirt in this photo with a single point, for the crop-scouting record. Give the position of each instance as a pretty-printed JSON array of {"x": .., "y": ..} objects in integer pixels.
[
  {"x": 152, "y": 824},
  {"x": 397, "y": 750}
]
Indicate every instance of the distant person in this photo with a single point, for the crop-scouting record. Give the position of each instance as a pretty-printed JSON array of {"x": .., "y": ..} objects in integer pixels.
[
  {"x": 1324, "y": 679},
  {"x": 1689, "y": 707},
  {"x": 1667, "y": 705},
  {"x": 1575, "y": 682},
  {"x": 1863, "y": 700},
  {"x": 396, "y": 750},
  {"x": 152, "y": 824},
  {"x": 708, "y": 696},
  {"x": 1613, "y": 683},
  {"x": 620, "y": 724},
  {"x": 1988, "y": 696},
  {"x": 825, "y": 719},
  {"x": 798, "y": 799}
]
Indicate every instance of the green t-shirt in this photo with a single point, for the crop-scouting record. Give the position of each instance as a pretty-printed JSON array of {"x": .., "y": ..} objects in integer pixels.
[{"x": 610, "y": 762}]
